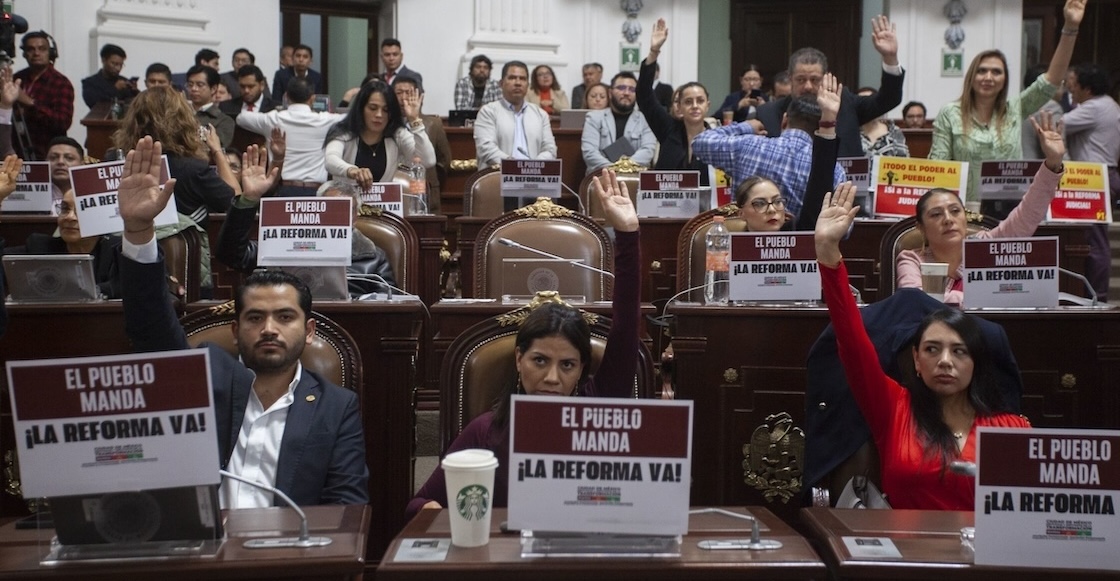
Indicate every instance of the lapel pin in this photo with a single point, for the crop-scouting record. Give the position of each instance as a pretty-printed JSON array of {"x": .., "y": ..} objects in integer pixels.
[{"x": 310, "y": 398}]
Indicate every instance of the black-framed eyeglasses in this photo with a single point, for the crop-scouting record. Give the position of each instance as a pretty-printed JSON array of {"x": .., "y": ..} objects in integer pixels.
[{"x": 761, "y": 205}]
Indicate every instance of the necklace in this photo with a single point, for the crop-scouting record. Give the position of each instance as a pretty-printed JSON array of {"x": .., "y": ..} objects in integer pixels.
[
  {"x": 959, "y": 435},
  {"x": 370, "y": 148}
]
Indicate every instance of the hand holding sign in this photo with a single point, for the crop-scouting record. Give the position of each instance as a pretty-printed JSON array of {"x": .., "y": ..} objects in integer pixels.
[
  {"x": 256, "y": 179},
  {"x": 1049, "y": 139},
  {"x": 140, "y": 197},
  {"x": 616, "y": 201},
  {"x": 836, "y": 217},
  {"x": 8, "y": 175}
]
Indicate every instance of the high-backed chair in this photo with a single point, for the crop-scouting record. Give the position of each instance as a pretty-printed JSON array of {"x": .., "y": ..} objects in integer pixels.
[
  {"x": 627, "y": 172},
  {"x": 332, "y": 354},
  {"x": 399, "y": 241},
  {"x": 479, "y": 367},
  {"x": 182, "y": 253},
  {"x": 482, "y": 194},
  {"x": 904, "y": 235},
  {"x": 545, "y": 226},
  {"x": 692, "y": 247}
]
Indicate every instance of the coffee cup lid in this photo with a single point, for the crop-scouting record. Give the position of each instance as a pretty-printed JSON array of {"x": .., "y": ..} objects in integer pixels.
[{"x": 474, "y": 458}]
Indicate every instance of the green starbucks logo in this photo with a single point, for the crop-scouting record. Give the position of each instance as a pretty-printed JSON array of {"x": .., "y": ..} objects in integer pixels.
[{"x": 473, "y": 502}]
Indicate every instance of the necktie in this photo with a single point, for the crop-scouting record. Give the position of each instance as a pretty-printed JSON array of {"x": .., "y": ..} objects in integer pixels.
[{"x": 248, "y": 106}]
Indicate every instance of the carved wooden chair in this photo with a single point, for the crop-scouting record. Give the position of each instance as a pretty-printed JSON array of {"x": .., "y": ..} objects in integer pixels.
[
  {"x": 692, "y": 247},
  {"x": 627, "y": 172},
  {"x": 904, "y": 235},
  {"x": 482, "y": 194},
  {"x": 398, "y": 239}
]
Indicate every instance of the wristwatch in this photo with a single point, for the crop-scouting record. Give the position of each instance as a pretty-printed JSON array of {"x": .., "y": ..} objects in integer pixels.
[{"x": 418, "y": 124}]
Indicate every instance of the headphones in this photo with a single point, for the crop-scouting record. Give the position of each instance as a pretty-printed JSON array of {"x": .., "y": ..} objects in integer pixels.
[{"x": 52, "y": 47}]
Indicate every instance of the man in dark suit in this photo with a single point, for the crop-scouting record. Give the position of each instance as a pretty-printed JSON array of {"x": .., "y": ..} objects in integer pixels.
[
  {"x": 301, "y": 68},
  {"x": 278, "y": 423},
  {"x": 807, "y": 67},
  {"x": 250, "y": 82},
  {"x": 393, "y": 59}
]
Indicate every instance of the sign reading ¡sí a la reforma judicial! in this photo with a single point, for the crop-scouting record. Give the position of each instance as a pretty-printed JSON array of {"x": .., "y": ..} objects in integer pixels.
[
  {"x": 604, "y": 465},
  {"x": 1083, "y": 195},
  {"x": 898, "y": 182},
  {"x": 305, "y": 231}
]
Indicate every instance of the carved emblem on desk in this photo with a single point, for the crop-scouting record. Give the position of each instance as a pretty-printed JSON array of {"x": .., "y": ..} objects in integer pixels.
[{"x": 772, "y": 459}]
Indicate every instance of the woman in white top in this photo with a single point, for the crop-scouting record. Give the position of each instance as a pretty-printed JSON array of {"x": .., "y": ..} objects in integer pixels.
[{"x": 377, "y": 135}]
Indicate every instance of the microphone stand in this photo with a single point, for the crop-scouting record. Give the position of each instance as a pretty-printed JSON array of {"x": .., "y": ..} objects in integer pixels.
[
  {"x": 571, "y": 261},
  {"x": 304, "y": 539}
]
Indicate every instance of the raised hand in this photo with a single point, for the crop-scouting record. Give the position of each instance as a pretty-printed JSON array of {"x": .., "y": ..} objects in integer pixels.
[
  {"x": 837, "y": 214},
  {"x": 616, "y": 202},
  {"x": 256, "y": 179},
  {"x": 884, "y": 39},
  {"x": 1049, "y": 138},
  {"x": 278, "y": 143},
  {"x": 9, "y": 88},
  {"x": 828, "y": 97},
  {"x": 1074, "y": 11},
  {"x": 140, "y": 196},
  {"x": 8, "y": 174},
  {"x": 410, "y": 104},
  {"x": 660, "y": 35}
]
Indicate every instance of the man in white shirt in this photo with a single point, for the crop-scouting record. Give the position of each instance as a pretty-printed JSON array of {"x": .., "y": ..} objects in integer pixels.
[
  {"x": 304, "y": 169},
  {"x": 619, "y": 130},
  {"x": 511, "y": 127},
  {"x": 278, "y": 423}
]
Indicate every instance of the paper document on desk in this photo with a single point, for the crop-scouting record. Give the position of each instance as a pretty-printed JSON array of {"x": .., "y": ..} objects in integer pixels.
[{"x": 871, "y": 548}]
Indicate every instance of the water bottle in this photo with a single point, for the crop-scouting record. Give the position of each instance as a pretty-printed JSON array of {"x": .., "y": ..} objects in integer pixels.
[
  {"x": 418, "y": 186},
  {"x": 717, "y": 264}
]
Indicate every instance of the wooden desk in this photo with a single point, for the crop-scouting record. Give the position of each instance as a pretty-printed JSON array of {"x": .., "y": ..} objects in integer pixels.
[
  {"x": 742, "y": 364},
  {"x": 388, "y": 337},
  {"x": 99, "y": 126},
  {"x": 928, "y": 540},
  {"x": 344, "y": 558},
  {"x": 501, "y": 559},
  {"x": 918, "y": 141}
]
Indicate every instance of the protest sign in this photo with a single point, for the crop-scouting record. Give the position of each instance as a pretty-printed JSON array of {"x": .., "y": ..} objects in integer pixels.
[
  {"x": 305, "y": 231},
  {"x": 668, "y": 194},
  {"x": 95, "y": 192},
  {"x": 531, "y": 178},
  {"x": 774, "y": 266}
]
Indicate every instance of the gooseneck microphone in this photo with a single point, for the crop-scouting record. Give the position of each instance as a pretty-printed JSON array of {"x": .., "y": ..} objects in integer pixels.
[
  {"x": 304, "y": 539},
  {"x": 571, "y": 261},
  {"x": 1084, "y": 281}
]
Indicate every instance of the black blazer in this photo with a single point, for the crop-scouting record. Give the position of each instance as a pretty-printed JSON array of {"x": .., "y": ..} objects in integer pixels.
[
  {"x": 233, "y": 106},
  {"x": 854, "y": 111},
  {"x": 322, "y": 452}
]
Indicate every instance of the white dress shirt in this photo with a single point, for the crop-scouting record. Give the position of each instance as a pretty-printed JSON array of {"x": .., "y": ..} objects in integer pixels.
[{"x": 306, "y": 130}]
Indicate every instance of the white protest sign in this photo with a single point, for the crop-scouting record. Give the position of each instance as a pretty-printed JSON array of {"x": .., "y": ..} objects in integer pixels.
[
  {"x": 669, "y": 194},
  {"x": 33, "y": 189},
  {"x": 1047, "y": 497},
  {"x": 531, "y": 178},
  {"x": 1011, "y": 272},
  {"x": 600, "y": 465},
  {"x": 92, "y": 425},
  {"x": 95, "y": 191},
  {"x": 384, "y": 195},
  {"x": 858, "y": 170},
  {"x": 1006, "y": 180},
  {"x": 774, "y": 266},
  {"x": 305, "y": 231}
]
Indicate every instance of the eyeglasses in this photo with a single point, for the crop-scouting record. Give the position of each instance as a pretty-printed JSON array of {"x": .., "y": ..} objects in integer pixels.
[
  {"x": 625, "y": 89},
  {"x": 761, "y": 205},
  {"x": 811, "y": 79}
]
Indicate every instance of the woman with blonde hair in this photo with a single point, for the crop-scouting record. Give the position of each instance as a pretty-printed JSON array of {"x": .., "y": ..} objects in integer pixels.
[
  {"x": 165, "y": 115},
  {"x": 985, "y": 124}
]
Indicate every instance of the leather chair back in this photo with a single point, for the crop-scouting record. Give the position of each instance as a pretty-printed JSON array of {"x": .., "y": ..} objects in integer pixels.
[
  {"x": 482, "y": 194},
  {"x": 904, "y": 235},
  {"x": 479, "y": 369},
  {"x": 692, "y": 247},
  {"x": 627, "y": 173},
  {"x": 333, "y": 353},
  {"x": 182, "y": 257},
  {"x": 553, "y": 229},
  {"x": 399, "y": 241}
]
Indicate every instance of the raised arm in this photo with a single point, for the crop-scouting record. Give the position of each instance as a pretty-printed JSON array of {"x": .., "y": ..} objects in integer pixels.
[
  {"x": 825, "y": 149},
  {"x": 658, "y": 119},
  {"x": 889, "y": 95},
  {"x": 1073, "y": 12},
  {"x": 1025, "y": 218}
]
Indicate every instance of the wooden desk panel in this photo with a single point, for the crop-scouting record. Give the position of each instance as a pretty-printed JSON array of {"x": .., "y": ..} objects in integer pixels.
[
  {"x": 388, "y": 337},
  {"x": 928, "y": 540},
  {"x": 918, "y": 141},
  {"x": 501, "y": 559},
  {"x": 742, "y": 364},
  {"x": 344, "y": 558}
]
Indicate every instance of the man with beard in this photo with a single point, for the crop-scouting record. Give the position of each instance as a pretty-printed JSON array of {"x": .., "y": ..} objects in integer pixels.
[
  {"x": 63, "y": 153},
  {"x": 611, "y": 133},
  {"x": 278, "y": 423},
  {"x": 477, "y": 88}
]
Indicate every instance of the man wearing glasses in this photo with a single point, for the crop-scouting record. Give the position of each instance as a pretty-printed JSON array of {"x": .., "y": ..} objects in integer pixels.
[
  {"x": 611, "y": 133},
  {"x": 807, "y": 66}
]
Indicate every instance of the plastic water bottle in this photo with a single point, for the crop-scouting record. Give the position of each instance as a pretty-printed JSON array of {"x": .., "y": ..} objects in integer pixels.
[
  {"x": 418, "y": 186},
  {"x": 717, "y": 263}
]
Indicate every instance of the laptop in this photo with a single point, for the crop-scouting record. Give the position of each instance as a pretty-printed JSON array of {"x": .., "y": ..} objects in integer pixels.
[
  {"x": 458, "y": 117},
  {"x": 327, "y": 283},
  {"x": 573, "y": 118},
  {"x": 522, "y": 278},
  {"x": 45, "y": 278},
  {"x": 157, "y": 520}
]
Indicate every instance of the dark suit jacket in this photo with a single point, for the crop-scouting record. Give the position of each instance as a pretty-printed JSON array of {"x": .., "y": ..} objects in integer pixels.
[
  {"x": 322, "y": 453},
  {"x": 834, "y": 425},
  {"x": 407, "y": 72},
  {"x": 854, "y": 111},
  {"x": 232, "y": 108},
  {"x": 280, "y": 82}
]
